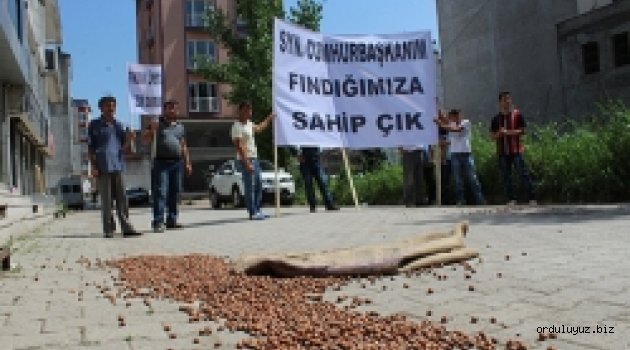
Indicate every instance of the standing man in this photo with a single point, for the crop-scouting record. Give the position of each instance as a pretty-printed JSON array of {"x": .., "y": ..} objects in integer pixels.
[
  {"x": 171, "y": 156},
  {"x": 507, "y": 129},
  {"x": 414, "y": 184},
  {"x": 311, "y": 169},
  {"x": 461, "y": 156},
  {"x": 243, "y": 131},
  {"x": 107, "y": 140}
]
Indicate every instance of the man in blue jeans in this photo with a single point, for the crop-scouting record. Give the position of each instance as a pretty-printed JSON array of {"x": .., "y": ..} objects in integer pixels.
[
  {"x": 170, "y": 156},
  {"x": 507, "y": 129},
  {"x": 243, "y": 131},
  {"x": 462, "y": 160}
]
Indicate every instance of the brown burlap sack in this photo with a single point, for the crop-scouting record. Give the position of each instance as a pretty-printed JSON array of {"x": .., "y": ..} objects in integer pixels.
[{"x": 420, "y": 251}]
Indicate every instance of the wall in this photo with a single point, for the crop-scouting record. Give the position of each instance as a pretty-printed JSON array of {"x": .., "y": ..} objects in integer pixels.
[
  {"x": 583, "y": 91},
  {"x": 589, "y": 5},
  {"x": 62, "y": 125},
  {"x": 491, "y": 45}
]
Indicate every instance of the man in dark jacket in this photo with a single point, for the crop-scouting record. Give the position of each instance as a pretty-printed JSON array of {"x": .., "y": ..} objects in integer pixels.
[
  {"x": 107, "y": 141},
  {"x": 311, "y": 169}
]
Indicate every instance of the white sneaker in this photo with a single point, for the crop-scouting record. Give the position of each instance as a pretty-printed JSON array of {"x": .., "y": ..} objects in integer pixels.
[
  {"x": 511, "y": 203},
  {"x": 533, "y": 202}
]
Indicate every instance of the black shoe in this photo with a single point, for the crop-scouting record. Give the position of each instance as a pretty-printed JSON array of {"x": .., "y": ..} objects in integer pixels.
[
  {"x": 108, "y": 235},
  {"x": 113, "y": 225},
  {"x": 313, "y": 208},
  {"x": 332, "y": 207},
  {"x": 174, "y": 226},
  {"x": 131, "y": 232}
]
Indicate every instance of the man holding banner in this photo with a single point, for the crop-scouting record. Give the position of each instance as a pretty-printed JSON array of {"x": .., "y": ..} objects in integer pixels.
[{"x": 243, "y": 131}]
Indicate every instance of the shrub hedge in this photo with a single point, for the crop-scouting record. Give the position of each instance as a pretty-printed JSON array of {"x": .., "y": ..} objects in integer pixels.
[{"x": 570, "y": 162}]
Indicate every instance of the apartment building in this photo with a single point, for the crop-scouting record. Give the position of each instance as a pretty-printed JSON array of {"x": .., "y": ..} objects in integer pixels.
[
  {"x": 64, "y": 144},
  {"x": 30, "y": 80},
  {"x": 173, "y": 33},
  {"x": 558, "y": 58}
]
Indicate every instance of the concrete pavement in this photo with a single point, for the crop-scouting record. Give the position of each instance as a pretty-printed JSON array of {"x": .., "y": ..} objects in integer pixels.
[{"x": 539, "y": 267}]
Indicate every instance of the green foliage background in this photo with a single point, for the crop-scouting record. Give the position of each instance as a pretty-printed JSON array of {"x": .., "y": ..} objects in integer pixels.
[{"x": 571, "y": 162}]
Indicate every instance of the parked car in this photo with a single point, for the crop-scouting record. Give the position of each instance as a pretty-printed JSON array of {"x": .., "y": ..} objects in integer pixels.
[
  {"x": 138, "y": 196},
  {"x": 226, "y": 185}
]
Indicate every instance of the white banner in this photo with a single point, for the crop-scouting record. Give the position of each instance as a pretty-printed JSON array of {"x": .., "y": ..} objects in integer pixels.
[
  {"x": 145, "y": 88},
  {"x": 367, "y": 91}
]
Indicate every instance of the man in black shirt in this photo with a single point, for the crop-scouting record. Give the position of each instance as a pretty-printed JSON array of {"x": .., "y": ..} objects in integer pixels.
[{"x": 170, "y": 155}]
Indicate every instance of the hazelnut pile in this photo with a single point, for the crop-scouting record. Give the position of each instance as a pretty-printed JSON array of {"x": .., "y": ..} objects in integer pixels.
[{"x": 279, "y": 313}]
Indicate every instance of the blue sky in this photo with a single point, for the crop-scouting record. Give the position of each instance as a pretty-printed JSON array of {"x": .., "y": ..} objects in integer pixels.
[{"x": 101, "y": 37}]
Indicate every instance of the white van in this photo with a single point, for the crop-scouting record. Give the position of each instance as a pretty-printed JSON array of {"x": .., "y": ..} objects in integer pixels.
[{"x": 73, "y": 191}]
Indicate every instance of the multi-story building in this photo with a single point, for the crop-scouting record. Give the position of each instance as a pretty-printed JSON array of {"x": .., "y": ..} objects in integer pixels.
[
  {"x": 82, "y": 113},
  {"x": 30, "y": 79},
  {"x": 63, "y": 160},
  {"x": 173, "y": 33},
  {"x": 558, "y": 58}
]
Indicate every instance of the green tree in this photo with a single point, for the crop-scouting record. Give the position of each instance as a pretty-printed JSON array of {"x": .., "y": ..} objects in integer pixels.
[
  {"x": 307, "y": 13},
  {"x": 248, "y": 39}
]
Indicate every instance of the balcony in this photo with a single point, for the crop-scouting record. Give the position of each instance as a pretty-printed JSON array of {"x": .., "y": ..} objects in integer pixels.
[
  {"x": 53, "y": 23},
  {"x": 203, "y": 104},
  {"x": 13, "y": 55}
]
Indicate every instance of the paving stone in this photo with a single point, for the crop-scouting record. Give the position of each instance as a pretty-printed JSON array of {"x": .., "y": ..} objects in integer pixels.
[{"x": 574, "y": 276}]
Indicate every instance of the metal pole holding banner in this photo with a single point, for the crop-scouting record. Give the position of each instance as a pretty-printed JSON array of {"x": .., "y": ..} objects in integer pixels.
[
  {"x": 349, "y": 174},
  {"x": 275, "y": 168}
]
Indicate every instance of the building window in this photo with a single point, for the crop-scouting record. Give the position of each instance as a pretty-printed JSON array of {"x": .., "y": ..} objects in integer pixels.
[
  {"x": 197, "y": 12},
  {"x": 241, "y": 27},
  {"x": 202, "y": 97},
  {"x": 199, "y": 50},
  {"x": 15, "y": 13},
  {"x": 83, "y": 134},
  {"x": 83, "y": 117},
  {"x": 621, "y": 49},
  {"x": 590, "y": 57}
]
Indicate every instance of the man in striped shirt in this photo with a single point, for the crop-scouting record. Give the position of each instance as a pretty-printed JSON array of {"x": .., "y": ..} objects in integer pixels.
[{"x": 507, "y": 129}]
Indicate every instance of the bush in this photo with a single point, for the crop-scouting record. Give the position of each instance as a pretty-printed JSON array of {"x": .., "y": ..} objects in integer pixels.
[
  {"x": 570, "y": 162},
  {"x": 382, "y": 186}
]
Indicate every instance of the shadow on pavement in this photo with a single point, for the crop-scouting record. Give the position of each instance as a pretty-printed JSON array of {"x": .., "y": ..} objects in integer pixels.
[{"x": 540, "y": 215}]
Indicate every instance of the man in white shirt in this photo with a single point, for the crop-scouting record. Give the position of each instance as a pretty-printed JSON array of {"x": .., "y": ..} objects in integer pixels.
[
  {"x": 461, "y": 156},
  {"x": 243, "y": 131}
]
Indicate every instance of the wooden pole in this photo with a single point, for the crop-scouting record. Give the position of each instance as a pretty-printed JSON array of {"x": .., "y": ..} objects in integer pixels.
[
  {"x": 275, "y": 166},
  {"x": 437, "y": 160},
  {"x": 349, "y": 174}
]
